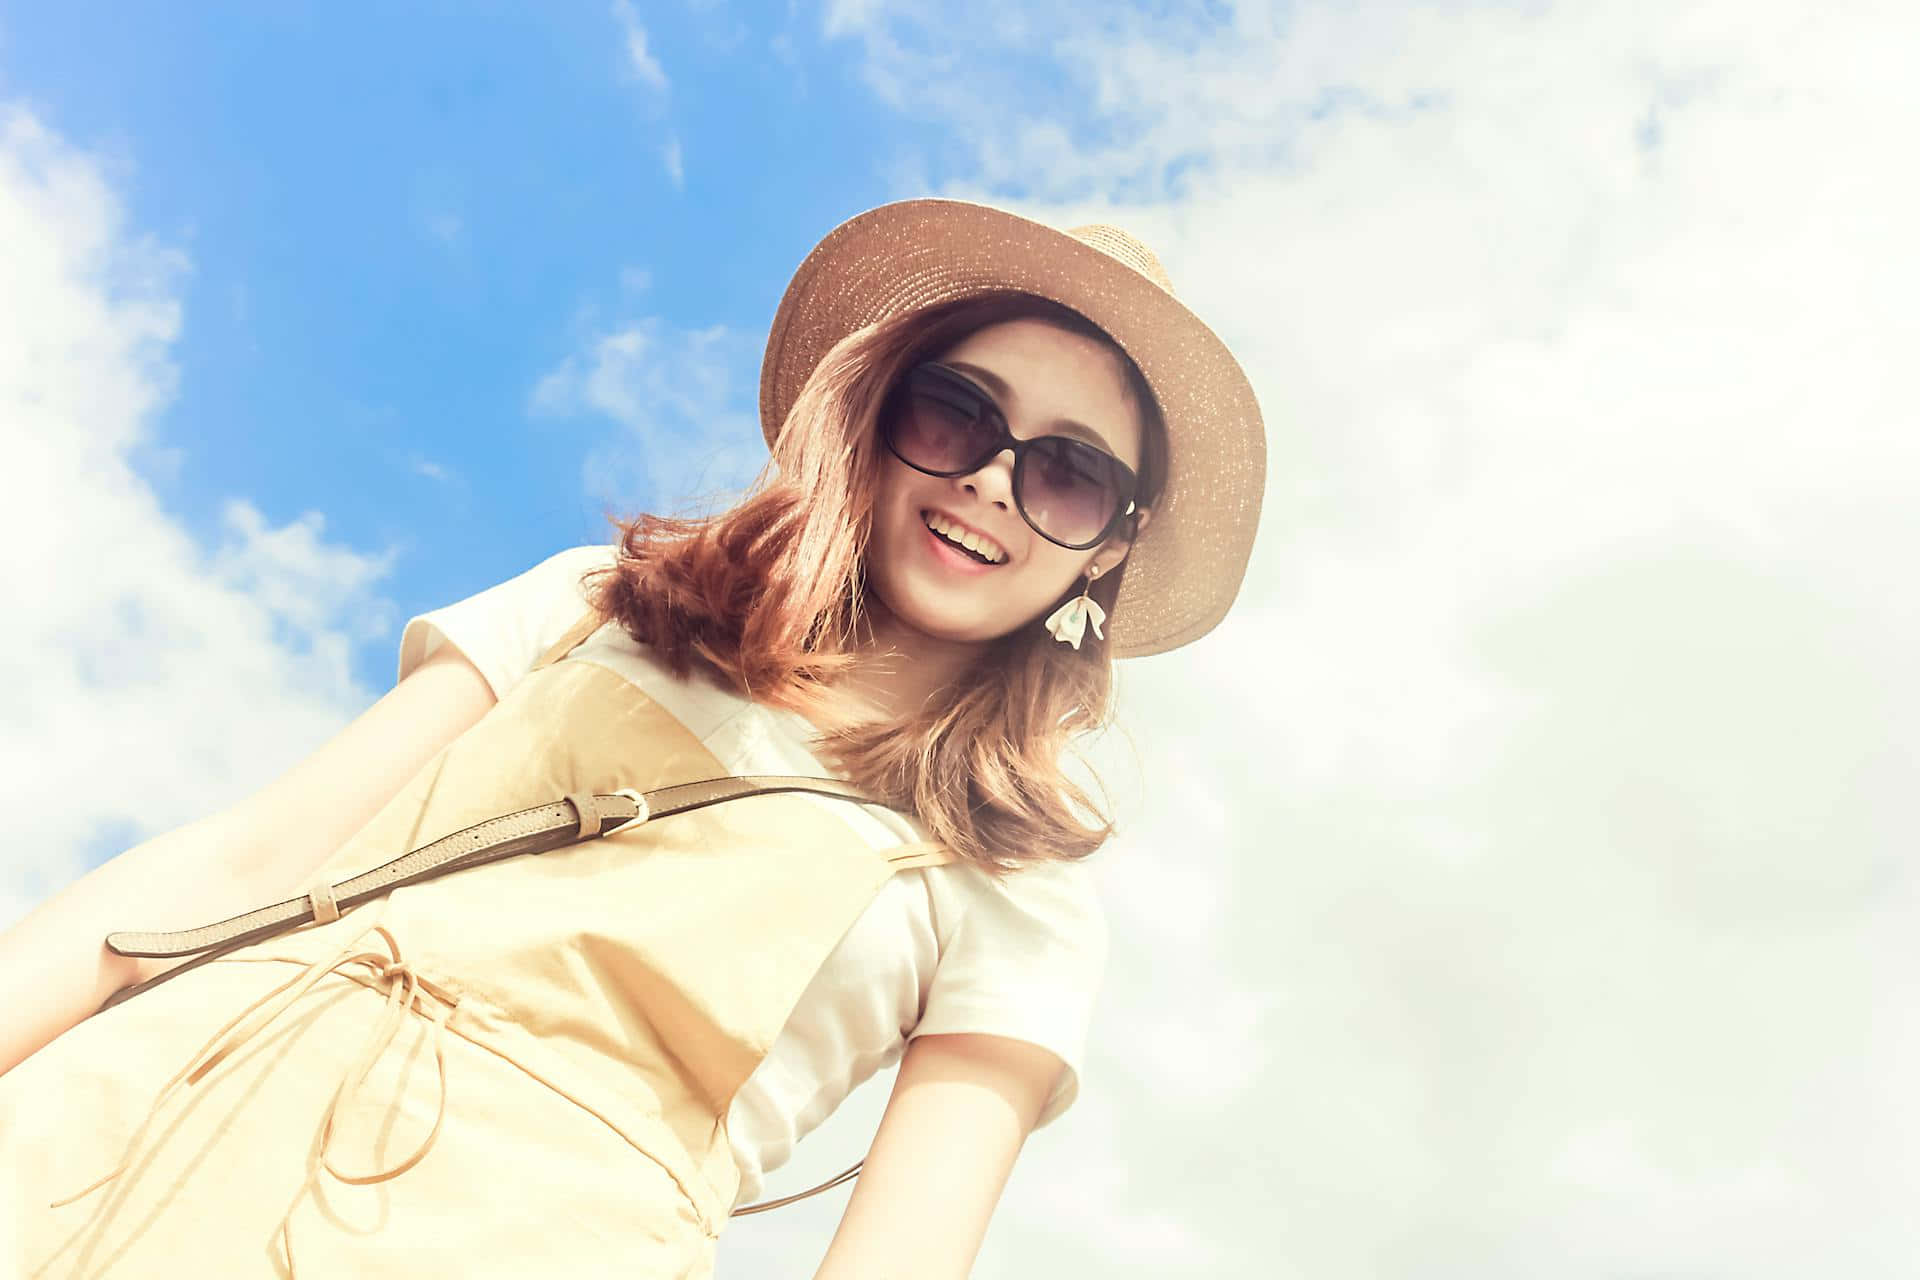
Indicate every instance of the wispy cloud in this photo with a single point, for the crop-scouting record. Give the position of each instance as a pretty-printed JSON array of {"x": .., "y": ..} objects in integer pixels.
[
  {"x": 852, "y": 17},
  {"x": 675, "y": 163},
  {"x": 682, "y": 400},
  {"x": 644, "y": 65},
  {"x": 447, "y": 228},
  {"x": 204, "y": 671}
]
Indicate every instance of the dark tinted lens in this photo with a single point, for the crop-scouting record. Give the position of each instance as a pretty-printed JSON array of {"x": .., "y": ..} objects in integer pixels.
[
  {"x": 1069, "y": 489},
  {"x": 941, "y": 426}
]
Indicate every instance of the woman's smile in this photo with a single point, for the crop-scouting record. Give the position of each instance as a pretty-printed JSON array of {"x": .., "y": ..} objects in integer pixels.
[{"x": 960, "y": 542}]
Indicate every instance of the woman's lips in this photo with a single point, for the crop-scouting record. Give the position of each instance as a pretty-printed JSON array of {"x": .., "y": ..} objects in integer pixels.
[
  {"x": 951, "y": 556},
  {"x": 962, "y": 534}
]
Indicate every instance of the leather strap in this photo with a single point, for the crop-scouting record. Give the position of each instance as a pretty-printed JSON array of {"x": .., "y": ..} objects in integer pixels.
[
  {"x": 535, "y": 830},
  {"x": 549, "y": 826}
]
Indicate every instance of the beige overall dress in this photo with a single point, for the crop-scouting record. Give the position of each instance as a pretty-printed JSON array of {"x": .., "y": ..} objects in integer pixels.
[{"x": 518, "y": 1069}]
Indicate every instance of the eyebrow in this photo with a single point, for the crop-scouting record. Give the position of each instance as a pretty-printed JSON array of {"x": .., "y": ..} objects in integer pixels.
[{"x": 1001, "y": 391}]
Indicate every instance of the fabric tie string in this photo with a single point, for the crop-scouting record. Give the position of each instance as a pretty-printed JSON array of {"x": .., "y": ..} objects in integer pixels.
[{"x": 404, "y": 987}]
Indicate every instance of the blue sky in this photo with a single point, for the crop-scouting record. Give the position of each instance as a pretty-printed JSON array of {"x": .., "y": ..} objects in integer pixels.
[
  {"x": 1518, "y": 882},
  {"x": 399, "y": 218}
]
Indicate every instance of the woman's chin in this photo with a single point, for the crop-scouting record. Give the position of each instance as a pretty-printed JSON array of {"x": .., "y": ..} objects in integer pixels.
[
  {"x": 929, "y": 621},
  {"x": 951, "y": 632}
]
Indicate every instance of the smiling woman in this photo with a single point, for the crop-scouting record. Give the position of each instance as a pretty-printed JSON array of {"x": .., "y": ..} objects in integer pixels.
[
  {"x": 795, "y": 771},
  {"x": 1072, "y": 494}
]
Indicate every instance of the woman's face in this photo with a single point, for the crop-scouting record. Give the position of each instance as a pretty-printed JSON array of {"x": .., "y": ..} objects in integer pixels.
[{"x": 1044, "y": 380}]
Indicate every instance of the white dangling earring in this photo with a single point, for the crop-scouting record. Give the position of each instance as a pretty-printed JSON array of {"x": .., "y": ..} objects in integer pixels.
[{"x": 1068, "y": 623}]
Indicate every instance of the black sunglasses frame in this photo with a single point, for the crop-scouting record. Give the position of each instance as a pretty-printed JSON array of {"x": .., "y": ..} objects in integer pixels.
[{"x": 989, "y": 412}]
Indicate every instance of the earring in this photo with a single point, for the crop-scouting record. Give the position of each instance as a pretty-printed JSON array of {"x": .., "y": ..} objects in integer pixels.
[{"x": 1068, "y": 623}]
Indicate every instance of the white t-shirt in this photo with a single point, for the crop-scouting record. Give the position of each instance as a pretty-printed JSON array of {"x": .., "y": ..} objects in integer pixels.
[{"x": 942, "y": 949}]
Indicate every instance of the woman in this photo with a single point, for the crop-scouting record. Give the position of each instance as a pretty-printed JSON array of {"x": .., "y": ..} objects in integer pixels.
[{"x": 1002, "y": 456}]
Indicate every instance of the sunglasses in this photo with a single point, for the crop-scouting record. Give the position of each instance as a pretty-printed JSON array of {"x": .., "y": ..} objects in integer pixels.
[{"x": 940, "y": 423}]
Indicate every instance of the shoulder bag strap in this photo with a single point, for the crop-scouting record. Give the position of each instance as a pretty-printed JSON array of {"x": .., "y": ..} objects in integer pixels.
[
  {"x": 535, "y": 830},
  {"x": 549, "y": 826}
]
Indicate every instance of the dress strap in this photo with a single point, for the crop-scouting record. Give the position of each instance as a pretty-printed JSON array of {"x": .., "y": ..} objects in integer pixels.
[
  {"x": 919, "y": 853},
  {"x": 574, "y": 636}
]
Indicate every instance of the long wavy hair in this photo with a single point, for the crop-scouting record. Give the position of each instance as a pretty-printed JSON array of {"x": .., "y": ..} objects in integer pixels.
[{"x": 770, "y": 594}]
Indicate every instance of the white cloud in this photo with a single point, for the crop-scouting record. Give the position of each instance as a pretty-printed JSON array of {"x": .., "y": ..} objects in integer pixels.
[
  {"x": 158, "y": 679},
  {"x": 848, "y": 17},
  {"x": 682, "y": 400},
  {"x": 675, "y": 163},
  {"x": 1521, "y": 884},
  {"x": 645, "y": 66},
  {"x": 447, "y": 228}
]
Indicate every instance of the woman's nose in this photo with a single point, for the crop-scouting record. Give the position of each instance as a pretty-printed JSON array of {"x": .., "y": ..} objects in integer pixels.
[{"x": 993, "y": 482}]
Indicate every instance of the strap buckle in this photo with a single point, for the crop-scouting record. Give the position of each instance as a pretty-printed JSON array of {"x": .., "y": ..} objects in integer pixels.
[{"x": 639, "y": 803}]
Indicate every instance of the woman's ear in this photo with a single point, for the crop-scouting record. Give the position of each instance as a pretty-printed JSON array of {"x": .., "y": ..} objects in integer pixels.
[{"x": 1115, "y": 549}]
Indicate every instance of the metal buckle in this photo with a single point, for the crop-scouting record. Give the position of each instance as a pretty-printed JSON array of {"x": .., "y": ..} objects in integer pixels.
[{"x": 639, "y": 803}]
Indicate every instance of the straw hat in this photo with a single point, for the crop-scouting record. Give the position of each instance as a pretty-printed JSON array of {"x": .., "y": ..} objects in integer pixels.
[{"x": 1187, "y": 565}]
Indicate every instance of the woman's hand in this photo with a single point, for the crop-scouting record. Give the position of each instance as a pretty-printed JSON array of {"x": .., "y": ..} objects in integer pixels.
[
  {"x": 960, "y": 1110},
  {"x": 54, "y": 970}
]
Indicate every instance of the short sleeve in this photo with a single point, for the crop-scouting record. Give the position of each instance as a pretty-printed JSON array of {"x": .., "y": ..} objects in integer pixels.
[
  {"x": 504, "y": 629},
  {"x": 1024, "y": 960}
]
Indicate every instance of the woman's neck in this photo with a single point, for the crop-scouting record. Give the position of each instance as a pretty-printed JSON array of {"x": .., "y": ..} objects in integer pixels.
[{"x": 897, "y": 669}]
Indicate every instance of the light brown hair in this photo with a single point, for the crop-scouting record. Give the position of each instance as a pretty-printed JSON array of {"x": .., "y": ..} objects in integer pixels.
[{"x": 770, "y": 594}]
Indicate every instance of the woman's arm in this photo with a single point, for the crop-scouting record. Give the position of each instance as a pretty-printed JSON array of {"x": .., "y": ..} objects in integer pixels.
[
  {"x": 961, "y": 1107},
  {"x": 54, "y": 969}
]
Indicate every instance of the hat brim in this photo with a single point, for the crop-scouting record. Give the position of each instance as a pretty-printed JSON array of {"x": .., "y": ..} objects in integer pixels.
[{"x": 1186, "y": 568}]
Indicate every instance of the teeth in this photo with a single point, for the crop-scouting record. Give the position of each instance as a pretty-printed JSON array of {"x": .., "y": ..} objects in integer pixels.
[{"x": 972, "y": 541}]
